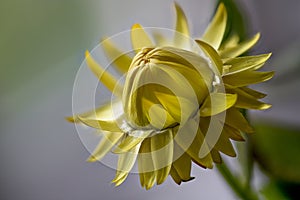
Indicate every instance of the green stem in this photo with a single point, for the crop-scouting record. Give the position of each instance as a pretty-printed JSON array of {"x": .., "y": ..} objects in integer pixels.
[{"x": 235, "y": 184}]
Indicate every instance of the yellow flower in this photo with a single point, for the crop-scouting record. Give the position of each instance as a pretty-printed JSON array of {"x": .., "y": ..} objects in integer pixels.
[{"x": 179, "y": 105}]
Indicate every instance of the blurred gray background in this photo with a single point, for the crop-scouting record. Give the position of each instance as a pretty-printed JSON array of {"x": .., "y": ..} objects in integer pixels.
[{"x": 42, "y": 45}]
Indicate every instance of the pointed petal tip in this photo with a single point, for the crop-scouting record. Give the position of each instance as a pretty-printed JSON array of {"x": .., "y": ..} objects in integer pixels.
[
  {"x": 91, "y": 159},
  {"x": 135, "y": 26},
  {"x": 70, "y": 119},
  {"x": 87, "y": 53}
]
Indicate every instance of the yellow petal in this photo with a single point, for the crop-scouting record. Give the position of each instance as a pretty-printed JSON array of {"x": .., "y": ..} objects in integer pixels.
[
  {"x": 104, "y": 112},
  {"x": 247, "y": 101},
  {"x": 251, "y": 103},
  {"x": 181, "y": 109},
  {"x": 182, "y": 29},
  {"x": 157, "y": 115},
  {"x": 111, "y": 126},
  {"x": 107, "y": 142},
  {"x": 119, "y": 58},
  {"x": 131, "y": 141},
  {"x": 162, "y": 154},
  {"x": 232, "y": 41},
  {"x": 139, "y": 38},
  {"x": 212, "y": 55},
  {"x": 235, "y": 119},
  {"x": 245, "y": 63},
  {"x": 216, "y": 156},
  {"x": 247, "y": 78},
  {"x": 232, "y": 133},
  {"x": 145, "y": 165},
  {"x": 190, "y": 139},
  {"x": 216, "y": 29},
  {"x": 217, "y": 103},
  {"x": 160, "y": 39},
  {"x": 183, "y": 167},
  {"x": 253, "y": 93},
  {"x": 125, "y": 164},
  {"x": 224, "y": 145},
  {"x": 105, "y": 77},
  {"x": 240, "y": 48},
  {"x": 175, "y": 176}
]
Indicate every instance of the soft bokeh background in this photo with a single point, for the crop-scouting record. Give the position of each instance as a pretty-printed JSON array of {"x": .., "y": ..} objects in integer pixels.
[{"x": 42, "y": 44}]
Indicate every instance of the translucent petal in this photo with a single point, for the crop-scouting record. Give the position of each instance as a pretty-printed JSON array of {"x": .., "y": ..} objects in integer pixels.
[
  {"x": 245, "y": 63},
  {"x": 232, "y": 41},
  {"x": 240, "y": 48},
  {"x": 125, "y": 163},
  {"x": 145, "y": 165},
  {"x": 107, "y": 142},
  {"x": 107, "y": 112},
  {"x": 105, "y": 77},
  {"x": 217, "y": 103},
  {"x": 247, "y": 78},
  {"x": 118, "y": 57},
  {"x": 162, "y": 154},
  {"x": 216, "y": 29},
  {"x": 131, "y": 141},
  {"x": 183, "y": 167},
  {"x": 112, "y": 126},
  {"x": 182, "y": 28},
  {"x": 160, "y": 39},
  {"x": 139, "y": 38},
  {"x": 212, "y": 54}
]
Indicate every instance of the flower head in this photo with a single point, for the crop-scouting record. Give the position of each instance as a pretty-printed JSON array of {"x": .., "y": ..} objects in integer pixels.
[{"x": 179, "y": 105}]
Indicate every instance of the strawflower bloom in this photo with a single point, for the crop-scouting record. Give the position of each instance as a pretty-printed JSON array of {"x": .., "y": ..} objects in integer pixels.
[{"x": 179, "y": 105}]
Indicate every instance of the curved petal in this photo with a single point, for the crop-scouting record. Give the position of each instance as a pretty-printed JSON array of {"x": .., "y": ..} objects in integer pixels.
[
  {"x": 224, "y": 145},
  {"x": 191, "y": 145},
  {"x": 217, "y": 103},
  {"x": 111, "y": 126},
  {"x": 107, "y": 142},
  {"x": 253, "y": 93},
  {"x": 139, "y": 38},
  {"x": 247, "y": 78},
  {"x": 245, "y": 63},
  {"x": 162, "y": 154},
  {"x": 105, "y": 77},
  {"x": 235, "y": 119},
  {"x": 125, "y": 163},
  {"x": 145, "y": 165},
  {"x": 232, "y": 41},
  {"x": 182, "y": 33},
  {"x": 247, "y": 101},
  {"x": 109, "y": 111},
  {"x": 232, "y": 133},
  {"x": 216, "y": 29},
  {"x": 175, "y": 176},
  {"x": 212, "y": 54},
  {"x": 131, "y": 141},
  {"x": 181, "y": 109},
  {"x": 119, "y": 58},
  {"x": 240, "y": 48},
  {"x": 183, "y": 167}
]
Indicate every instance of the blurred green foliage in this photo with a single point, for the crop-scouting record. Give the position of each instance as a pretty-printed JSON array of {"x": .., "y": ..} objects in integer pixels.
[{"x": 277, "y": 149}]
